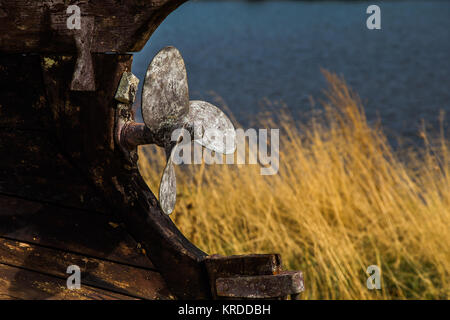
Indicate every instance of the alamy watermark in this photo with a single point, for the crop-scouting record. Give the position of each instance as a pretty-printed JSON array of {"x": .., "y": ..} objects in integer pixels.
[
  {"x": 74, "y": 280},
  {"x": 260, "y": 150},
  {"x": 74, "y": 20},
  {"x": 374, "y": 20},
  {"x": 374, "y": 279}
]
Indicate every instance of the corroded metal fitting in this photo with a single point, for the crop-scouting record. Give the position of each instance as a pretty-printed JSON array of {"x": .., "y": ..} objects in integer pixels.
[{"x": 126, "y": 92}]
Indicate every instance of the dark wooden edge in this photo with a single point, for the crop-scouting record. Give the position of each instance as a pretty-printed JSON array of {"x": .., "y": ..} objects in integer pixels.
[{"x": 90, "y": 234}]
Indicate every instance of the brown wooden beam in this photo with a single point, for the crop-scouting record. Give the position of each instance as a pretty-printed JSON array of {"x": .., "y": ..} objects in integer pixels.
[{"x": 41, "y": 26}]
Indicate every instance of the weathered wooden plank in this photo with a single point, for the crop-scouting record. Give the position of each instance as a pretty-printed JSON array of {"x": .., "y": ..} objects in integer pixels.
[
  {"x": 16, "y": 283},
  {"x": 102, "y": 274},
  {"x": 241, "y": 265},
  {"x": 249, "y": 264},
  {"x": 41, "y": 26},
  {"x": 72, "y": 230},
  {"x": 32, "y": 167},
  {"x": 261, "y": 287}
]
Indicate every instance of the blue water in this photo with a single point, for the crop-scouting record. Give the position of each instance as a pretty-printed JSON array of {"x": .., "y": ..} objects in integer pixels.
[{"x": 248, "y": 52}]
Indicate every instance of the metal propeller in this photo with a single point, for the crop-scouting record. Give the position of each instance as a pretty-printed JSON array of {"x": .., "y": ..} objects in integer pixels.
[{"x": 166, "y": 108}]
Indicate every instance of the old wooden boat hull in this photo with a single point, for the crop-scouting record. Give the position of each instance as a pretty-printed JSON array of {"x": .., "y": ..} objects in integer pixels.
[{"x": 58, "y": 150}]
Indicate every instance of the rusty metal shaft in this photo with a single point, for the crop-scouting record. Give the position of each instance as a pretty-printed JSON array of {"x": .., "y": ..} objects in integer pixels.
[{"x": 134, "y": 134}]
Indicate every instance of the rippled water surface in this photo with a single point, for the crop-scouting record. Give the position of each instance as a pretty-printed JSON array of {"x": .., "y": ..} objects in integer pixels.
[{"x": 249, "y": 52}]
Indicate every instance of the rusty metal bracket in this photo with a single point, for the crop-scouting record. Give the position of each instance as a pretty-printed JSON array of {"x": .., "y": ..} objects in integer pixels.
[
  {"x": 261, "y": 287},
  {"x": 257, "y": 276}
]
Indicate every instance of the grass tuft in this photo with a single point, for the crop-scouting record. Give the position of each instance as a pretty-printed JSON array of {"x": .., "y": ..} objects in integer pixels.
[{"x": 342, "y": 200}]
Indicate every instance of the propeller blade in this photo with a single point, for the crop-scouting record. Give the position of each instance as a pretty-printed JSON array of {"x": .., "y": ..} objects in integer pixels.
[
  {"x": 165, "y": 96},
  {"x": 168, "y": 185},
  {"x": 168, "y": 188},
  {"x": 211, "y": 127}
]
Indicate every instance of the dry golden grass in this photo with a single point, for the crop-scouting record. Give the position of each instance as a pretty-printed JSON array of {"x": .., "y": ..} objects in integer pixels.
[{"x": 342, "y": 200}]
